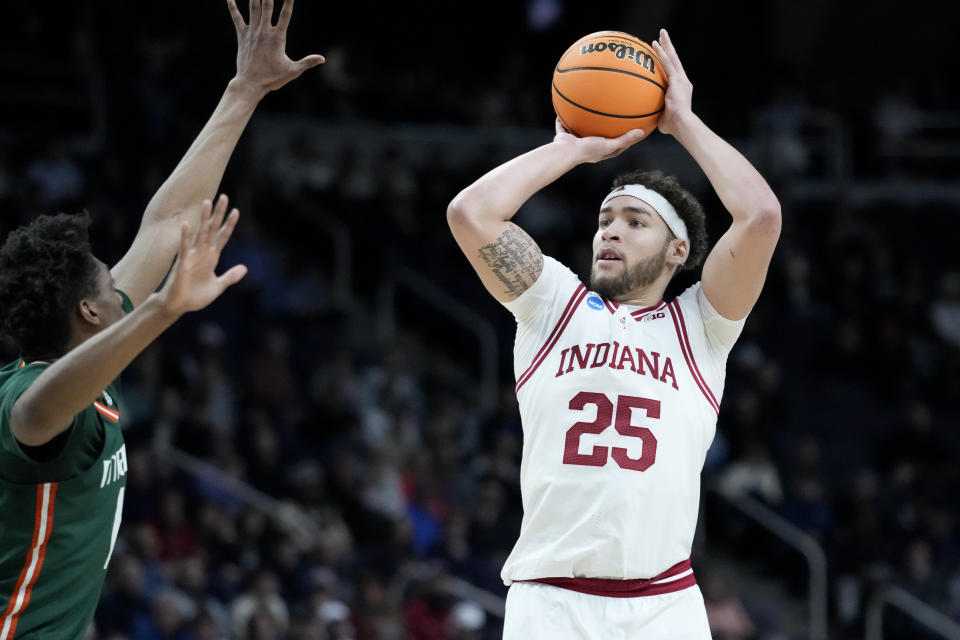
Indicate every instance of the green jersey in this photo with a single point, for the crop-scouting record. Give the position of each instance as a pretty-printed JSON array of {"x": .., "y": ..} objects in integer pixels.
[{"x": 60, "y": 508}]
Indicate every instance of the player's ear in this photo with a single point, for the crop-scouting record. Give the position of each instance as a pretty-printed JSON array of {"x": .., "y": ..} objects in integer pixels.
[
  {"x": 678, "y": 252},
  {"x": 89, "y": 313}
]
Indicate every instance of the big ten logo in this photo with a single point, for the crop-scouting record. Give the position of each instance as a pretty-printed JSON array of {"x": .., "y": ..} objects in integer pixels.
[{"x": 653, "y": 316}]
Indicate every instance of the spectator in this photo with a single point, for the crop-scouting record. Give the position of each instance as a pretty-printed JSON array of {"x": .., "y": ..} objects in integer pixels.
[
  {"x": 726, "y": 614},
  {"x": 260, "y": 611},
  {"x": 167, "y": 620}
]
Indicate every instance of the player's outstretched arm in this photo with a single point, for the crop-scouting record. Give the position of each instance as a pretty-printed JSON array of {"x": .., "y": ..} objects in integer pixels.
[
  {"x": 262, "y": 66},
  {"x": 507, "y": 260},
  {"x": 66, "y": 387},
  {"x": 736, "y": 268}
]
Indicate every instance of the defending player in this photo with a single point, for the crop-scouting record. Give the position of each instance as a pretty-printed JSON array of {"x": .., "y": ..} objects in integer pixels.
[
  {"x": 618, "y": 389},
  {"x": 62, "y": 459}
]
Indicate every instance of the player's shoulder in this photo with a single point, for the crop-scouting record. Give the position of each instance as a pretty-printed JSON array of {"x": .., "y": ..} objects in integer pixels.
[
  {"x": 697, "y": 316},
  {"x": 556, "y": 286},
  {"x": 556, "y": 270},
  {"x": 566, "y": 280},
  {"x": 10, "y": 368},
  {"x": 689, "y": 300},
  {"x": 691, "y": 310},
  {"x": 17, "y": 375},
  {"x": 15, "y": 378}
]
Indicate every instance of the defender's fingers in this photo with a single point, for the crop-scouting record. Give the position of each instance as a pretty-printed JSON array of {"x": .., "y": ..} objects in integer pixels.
[
  {"x": 196, "y": 235},
  {"x": 223, "y": 235},
  {"x": 203, "y": 229},
  {"x": 184, "y": 237},
  {"x": 266, "y": 13},
  {"x": 184, "y": 246},
  {"x": 309, "y": 62},
  {"x": 238, "y": 22},
  {"x": 217, "y": 219},
  {"x": 285, "y": 12},
  {"x": 232, "y": 276},
  {"x": 255, "y": 12}
]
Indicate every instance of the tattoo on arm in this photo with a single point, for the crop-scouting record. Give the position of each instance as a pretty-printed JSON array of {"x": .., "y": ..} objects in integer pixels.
[{"x": 515, "y": 259}]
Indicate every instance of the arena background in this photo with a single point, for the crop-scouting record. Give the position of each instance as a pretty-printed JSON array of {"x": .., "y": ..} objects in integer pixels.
[{"x": 332, "y": 449}]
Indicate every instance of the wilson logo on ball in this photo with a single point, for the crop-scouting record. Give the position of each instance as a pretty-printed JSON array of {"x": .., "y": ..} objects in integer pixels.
[{"x": 621, "y": 51}]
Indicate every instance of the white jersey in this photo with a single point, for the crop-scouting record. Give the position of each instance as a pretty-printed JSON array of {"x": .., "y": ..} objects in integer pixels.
[{"x": 619, "y": 406}]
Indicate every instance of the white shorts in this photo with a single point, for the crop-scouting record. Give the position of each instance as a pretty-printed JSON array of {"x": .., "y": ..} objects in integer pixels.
[{"x": 538, "y": 611}]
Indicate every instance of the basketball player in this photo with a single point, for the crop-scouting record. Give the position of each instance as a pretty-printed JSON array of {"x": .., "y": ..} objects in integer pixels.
[
  {"x": 62, "y": 458},
  {"x": 618, "y": 389}
]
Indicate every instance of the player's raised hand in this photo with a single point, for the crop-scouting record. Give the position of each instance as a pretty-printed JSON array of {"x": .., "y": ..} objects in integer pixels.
[
  {"x": 261, "y": 47},
  {"x": 596, "y": 148},
  {"x": 679, "y": 98},
  {"x": 194, "y": 283}
]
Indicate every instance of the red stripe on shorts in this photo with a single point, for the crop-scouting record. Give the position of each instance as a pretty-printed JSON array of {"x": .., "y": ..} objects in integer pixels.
[{"x": 666, "y": 582}]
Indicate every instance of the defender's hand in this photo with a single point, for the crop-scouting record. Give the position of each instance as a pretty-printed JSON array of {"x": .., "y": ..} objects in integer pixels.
[
  {"x": 194, "y": 284},
  {"x": 262, "y": 60},
  {"x": 595, "y": 148},
  {"x": 678, "y": 102}
]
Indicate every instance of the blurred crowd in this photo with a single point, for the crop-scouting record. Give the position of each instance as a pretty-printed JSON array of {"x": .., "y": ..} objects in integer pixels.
[{"x": 373, "y": 489}]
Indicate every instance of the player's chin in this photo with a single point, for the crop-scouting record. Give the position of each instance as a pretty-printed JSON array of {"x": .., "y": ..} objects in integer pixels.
[
  {"x": 603, "y": 278},
  {"x": 606, "y": 269}
]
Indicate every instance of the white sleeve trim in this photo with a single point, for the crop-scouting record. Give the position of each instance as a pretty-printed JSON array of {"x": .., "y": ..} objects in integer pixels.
[{"x": 721, "y": 332}]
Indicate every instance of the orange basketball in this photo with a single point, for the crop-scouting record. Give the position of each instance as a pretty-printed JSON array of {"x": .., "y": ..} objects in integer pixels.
[{"x": 608, "y": 83}]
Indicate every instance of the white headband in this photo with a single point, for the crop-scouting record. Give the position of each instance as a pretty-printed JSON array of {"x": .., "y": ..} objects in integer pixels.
[{"x": 655, "y": 200}]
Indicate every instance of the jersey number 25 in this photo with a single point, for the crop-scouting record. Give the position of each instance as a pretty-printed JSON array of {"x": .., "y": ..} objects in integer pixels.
[{"x": 605, "y": 411}]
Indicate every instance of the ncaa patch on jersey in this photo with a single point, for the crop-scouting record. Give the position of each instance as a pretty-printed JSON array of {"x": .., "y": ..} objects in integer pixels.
[{"x": 595, "y": 303}]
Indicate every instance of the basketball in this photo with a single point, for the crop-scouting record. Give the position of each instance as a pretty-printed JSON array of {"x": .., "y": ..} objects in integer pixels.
[{"x": 608, "y": 83}]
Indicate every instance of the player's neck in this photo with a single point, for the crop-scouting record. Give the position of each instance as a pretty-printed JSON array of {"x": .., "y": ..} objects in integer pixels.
[
  {"x": 643, "y": 297},
  {"x": 647, "y": 295},
  {"x": 77, "y": 337}
]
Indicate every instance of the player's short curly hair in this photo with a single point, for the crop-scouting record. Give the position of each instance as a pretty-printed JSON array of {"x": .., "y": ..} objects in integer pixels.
[
  {"x": 46, "y": 268},
  {"x": 688, "y": 208}
]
